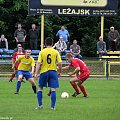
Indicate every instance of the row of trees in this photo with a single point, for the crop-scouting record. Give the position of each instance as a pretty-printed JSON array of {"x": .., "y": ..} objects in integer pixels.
[{"x": 85, "y": 29}]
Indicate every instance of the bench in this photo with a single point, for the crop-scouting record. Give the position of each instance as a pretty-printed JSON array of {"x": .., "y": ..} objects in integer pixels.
[
  {"x": 34, "y": 54},
  {"x": 106, "y": 56},
  {"x": 111, "y": 54}
]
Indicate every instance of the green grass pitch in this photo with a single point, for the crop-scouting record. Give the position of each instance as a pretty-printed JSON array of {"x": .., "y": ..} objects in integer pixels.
[{"x": 103, "y": 102}]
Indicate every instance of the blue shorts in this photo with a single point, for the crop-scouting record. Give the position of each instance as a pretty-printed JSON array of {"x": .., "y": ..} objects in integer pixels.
[
  {"x": 25, "y": 74},
  {"x": 49, "y": 79}
]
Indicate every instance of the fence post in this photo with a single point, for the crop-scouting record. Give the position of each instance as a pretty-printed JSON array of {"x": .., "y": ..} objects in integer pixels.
[{"x": 107, "y": 74}]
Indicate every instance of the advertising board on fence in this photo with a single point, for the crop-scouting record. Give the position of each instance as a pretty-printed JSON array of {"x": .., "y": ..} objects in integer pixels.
[{"x": 73, "y": 7}]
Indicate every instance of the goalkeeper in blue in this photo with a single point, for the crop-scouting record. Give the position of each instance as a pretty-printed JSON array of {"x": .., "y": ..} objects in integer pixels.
[{"x": 48, "y": 60}]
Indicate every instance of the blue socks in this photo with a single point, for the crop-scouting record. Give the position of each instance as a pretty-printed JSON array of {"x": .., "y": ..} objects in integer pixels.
[
  {"x": 39, "y": 97},
  {"x": 18, "y": 86},
  {"x": 34, "y": 88},
  {"x": 53, "y": 99}
]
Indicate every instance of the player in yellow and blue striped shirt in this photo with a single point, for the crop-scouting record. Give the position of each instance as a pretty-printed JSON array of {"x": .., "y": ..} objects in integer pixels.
[{"x": 47, "y": 63}]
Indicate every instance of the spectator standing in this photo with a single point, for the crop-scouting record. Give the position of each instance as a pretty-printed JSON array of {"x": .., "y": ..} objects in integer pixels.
[
  {"x": 75, "y": 50},
  {"x": 34, "y": 35},
  {"x": 61, "y": 46},
  {"x": 63, "y": 32},
  {"x": 101, "y": 46},
  {"x": 20, "y": 35},
  {"x": 3, "y": 45},
  {"x": 113, "y": 37}
]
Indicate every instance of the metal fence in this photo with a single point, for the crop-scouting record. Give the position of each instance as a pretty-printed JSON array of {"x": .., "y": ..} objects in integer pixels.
[{"x": 105, "y": 68}]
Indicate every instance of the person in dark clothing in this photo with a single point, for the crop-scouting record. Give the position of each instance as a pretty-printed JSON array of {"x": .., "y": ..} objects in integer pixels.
[
  {"x": 113, "y": 37},
  {"x": 33, "y": 34},
  {"x": 20, "y": 35}
]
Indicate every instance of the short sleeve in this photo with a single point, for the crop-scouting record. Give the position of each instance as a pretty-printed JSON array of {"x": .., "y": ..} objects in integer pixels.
[
  {"x": 40, "y": 57},
  {"x": 58, "y": 57},
  {"x": 33, "y": 62}
]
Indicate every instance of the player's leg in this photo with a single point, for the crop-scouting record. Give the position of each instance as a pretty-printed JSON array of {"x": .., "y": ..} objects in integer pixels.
[
  {"x": 13, "y": 75},
  {"x": 20, "y": 76},
  {"x": 53, "y": 83},
  {"x": 39, "y": 98},
  {"x": 74, "y": 85},
  {"x": 82, "y": 88},
  {"x": 82, "y": 77},
  {"x": 42, "y": 82},
  {"x": 49, "y": 93},
  {"x": 31, "y": 80},
  {"x": 53, "y": 98}
]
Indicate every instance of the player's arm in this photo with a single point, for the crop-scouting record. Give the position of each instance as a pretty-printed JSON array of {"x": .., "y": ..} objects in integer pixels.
[
  {"x": 54, "y": 45},
  {"x": 75, "y": 71},
  {"x": 32, "y": 71},
  {"x": 66, "y": 67},
  {"x": 59, "y": 68},
  {"x": 13, "y": 63},
  {"x": 33, "y": 66},
  {"x": 13, "y": 60},
  {"x": 38, "y": 65}
]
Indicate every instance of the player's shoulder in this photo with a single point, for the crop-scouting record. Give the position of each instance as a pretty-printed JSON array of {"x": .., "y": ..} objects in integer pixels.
[
  {"x": 31, "y": 58},
  {"x": 15, "y": 53},
  {"x": 47, "y": 50},
  {"x": 76, "y": 59}
]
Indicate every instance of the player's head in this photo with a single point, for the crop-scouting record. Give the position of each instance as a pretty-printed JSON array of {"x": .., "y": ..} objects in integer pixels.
[
  {"x": 19, "y": 48},
  {"x": 48, "y": 41},
  {"x": 69, "y": 57},
  {"x": 19, "y": 45},
  {"x": 28, "y": 53}
]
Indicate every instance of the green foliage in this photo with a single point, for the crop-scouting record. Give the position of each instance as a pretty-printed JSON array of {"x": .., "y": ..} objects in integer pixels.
[{"x": 84, "y": 29}]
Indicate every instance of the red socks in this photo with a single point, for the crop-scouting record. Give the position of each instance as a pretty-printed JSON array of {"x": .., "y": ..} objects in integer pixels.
[
  {"x": 13, "y": 75},
  {"x": 74, "y": 86},
  {"x": 83, "y": 90}
]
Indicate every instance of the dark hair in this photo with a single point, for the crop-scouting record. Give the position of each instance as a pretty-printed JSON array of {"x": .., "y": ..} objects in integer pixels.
[
  {"x": 28, "y": 49},
  {"x": 48, "y": 41}
]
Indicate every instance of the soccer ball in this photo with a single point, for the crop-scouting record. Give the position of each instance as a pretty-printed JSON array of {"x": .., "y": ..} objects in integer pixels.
[{"x": 64, "y": 95}]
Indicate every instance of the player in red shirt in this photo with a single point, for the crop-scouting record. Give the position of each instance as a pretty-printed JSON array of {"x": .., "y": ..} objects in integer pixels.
[
  {"x": 81, "y": 67},
  {"x": 14, "y": 63}
]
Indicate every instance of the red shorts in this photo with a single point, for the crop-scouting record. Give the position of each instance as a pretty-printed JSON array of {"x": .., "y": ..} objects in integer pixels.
[{"x": 83, "y": 76}]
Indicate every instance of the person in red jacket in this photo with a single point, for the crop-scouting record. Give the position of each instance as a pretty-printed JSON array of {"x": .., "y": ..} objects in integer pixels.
[
  {"x": 82, "y": 71},
  {"x": 14, "y": 63}
]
